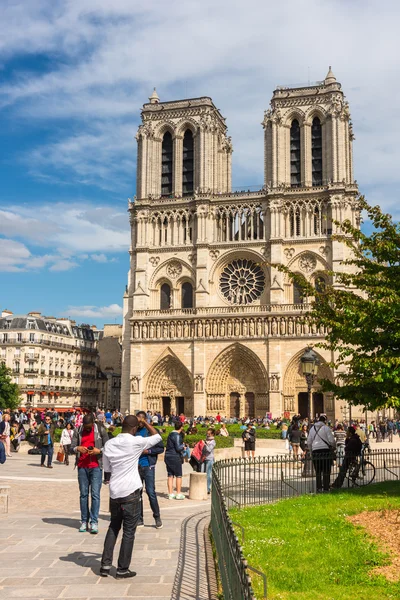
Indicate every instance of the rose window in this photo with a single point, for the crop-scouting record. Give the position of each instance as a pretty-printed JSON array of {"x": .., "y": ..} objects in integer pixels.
[{"x": 242, "y": 281}]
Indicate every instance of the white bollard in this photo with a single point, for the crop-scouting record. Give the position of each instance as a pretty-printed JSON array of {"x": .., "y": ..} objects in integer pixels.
[
  {"x": 4, "y": 498},
  {"x": 198, "y": 486}
]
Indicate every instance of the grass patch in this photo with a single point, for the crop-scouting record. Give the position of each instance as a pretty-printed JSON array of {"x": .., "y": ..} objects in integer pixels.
[{"x": 310, "y": 551}]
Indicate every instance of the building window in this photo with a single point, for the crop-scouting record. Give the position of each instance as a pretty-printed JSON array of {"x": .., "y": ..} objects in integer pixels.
[
  {"x": 317, "y": 228},
  {"x": 165, "y": 297},
  {"x": 294, "y": 217},
  {"x": 320, "y": 285},
  {"x": 19, "y": 337},
  {"x": 316, "y": 151},
  {"x": 298, "y": 297},
  {"x": 295, "y": 154},
  {"x": 31, "y": 337},
  {"x": 166, "y": 165},
  {"x": 188, "y": 164},
  {"x": 5, "y": 337},
  {"x": 187, "y": 295}
]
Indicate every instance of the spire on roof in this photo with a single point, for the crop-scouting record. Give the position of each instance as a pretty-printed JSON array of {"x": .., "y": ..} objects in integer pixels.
[
  {"x": 154, "y": 99},
  {"x": 330, "y": 78}
]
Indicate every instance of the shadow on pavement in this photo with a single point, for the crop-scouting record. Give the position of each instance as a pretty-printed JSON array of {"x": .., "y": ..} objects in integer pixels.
[
  {"x": 65, "y": 521},
  {"x": 85, "y": 560}
]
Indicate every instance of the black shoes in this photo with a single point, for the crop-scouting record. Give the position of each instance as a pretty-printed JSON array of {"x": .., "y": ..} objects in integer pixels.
[
  {"x": 159, "y": 523},
  {"x": 105, "y": 571},
  {"x": 125, "y": 574},
  {"x": 140, "y": 524}
]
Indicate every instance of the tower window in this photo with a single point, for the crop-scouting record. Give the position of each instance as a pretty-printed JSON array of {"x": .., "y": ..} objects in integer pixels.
[
  {"x": 316, "y": 151},
  {"x": 295, "y": 154},
  {"x": 320, "y": 285},
  {"x": 187, "y": 295},
  {"x": 165, "y": 297},
  {"x": 188, "y": 164},
  {"x": 166, "y": 165}
]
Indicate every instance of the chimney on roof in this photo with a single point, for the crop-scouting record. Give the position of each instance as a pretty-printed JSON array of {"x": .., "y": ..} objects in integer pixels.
[
  {"x": 34, "y": 314},
  {"x": 6, "y": 313},
  {"x": 93, "y": 327}
]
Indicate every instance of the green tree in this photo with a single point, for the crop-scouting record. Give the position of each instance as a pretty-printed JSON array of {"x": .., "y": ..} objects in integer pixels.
[
  {"x": 361, "y": 312},
  {"x": 9, "y": 392}
]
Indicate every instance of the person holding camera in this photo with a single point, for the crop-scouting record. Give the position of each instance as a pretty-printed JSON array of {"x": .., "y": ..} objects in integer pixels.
[{"x": 87, "y": 443}]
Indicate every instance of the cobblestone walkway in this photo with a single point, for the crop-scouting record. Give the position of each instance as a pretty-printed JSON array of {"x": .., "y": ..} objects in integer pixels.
[{"x": 42, "y": 554}]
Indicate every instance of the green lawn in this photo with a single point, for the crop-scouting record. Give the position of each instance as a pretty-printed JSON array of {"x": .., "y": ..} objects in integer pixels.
[{"x": 309, "y": 551}]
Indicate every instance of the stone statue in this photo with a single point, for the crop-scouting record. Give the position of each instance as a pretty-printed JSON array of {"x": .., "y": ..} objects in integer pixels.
[
  {"x": 298, "y": 328},
  {"x": 172, "y": 329},
  {"x": 259, "y": 327},
  {"x": 186, "y": 329},
  {"x": 229, "y": 328},
  {"x": 215, "y": 329},
  {"x": 290, "y": 327},
  {"x": 251, "y": 327},
  {"x": 283, "y": 326},
  {"x": 135, "y": 384},
  {"x": 237, "y": 328},
  {"x": 306, "y": 328},
  {"x": 207, "y": 329},
  {"x": 151, "y": 330},
  {"x": 244, "y": 327},
  {"x": 222, "y": 328},
  {"x": 136, "y": 331},
  {"x": 274, "y": 327},
  {"x": 158, "y": 330},
  {"x": 200, "y": 329},
  {"x": 144, "y": 331},
  {"x": 179, "y": 329}
]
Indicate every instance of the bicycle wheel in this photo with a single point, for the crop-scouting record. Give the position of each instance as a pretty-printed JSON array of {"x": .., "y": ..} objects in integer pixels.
[{"x": 365, "y": 474}]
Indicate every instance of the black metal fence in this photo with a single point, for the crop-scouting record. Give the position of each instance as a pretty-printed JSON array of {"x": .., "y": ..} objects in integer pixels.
[{"x": 243, "y": 482}]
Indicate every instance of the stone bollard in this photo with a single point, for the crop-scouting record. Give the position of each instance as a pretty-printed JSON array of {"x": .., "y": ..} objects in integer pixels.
[
  {"x": 198, "y": 486},
  {"x": 4, "y": 498}
]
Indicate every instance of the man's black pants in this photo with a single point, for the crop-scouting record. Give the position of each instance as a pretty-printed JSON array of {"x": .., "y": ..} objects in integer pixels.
[
  {"x": 125, "y": 512},
  {"x": 322, "y": 460}
]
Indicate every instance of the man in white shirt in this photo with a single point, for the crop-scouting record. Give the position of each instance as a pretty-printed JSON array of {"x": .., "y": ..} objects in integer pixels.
[
  {"x": 322, "y": 443},
  {"x": 120, "y": 458}
]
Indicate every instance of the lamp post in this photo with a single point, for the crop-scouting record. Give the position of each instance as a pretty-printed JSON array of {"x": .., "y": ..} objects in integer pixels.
[{"x": 309, "y": 367}]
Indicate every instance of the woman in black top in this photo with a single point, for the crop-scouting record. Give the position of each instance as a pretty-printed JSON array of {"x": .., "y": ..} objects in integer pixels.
[{"x": 294, "y": 439}]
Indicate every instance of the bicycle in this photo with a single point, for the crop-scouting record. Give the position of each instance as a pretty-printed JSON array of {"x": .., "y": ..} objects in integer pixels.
[{"x": 362, "y": 471}]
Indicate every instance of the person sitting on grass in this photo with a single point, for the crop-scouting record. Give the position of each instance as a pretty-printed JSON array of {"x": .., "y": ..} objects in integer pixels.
[{"x": 352, "y": 449}]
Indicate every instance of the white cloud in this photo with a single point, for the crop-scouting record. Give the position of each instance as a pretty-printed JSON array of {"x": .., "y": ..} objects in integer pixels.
[
  {"x": 72, "y": 228},
  {"x": 106, "y": 57},
  {"x": 113, "y": 310},
  {"x": 101, "y": 258},
  {"x": 16, "y": 257}
]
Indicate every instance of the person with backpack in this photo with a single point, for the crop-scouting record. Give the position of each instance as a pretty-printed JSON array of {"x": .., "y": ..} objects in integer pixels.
[
  {"x": 322, "y": 444},
  {"x": 88, "y": 442},
  {"x": 353, "y": 447}
]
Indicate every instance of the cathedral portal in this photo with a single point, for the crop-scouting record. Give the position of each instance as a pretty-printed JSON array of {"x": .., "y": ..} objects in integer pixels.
[{"x": 237, "y": 383}]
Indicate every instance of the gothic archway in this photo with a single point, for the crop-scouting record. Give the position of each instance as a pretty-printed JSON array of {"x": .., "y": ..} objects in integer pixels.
[
  {"x": 237, "y": 381},
  {"x": 295, "y": 388},
  {"x": 169, "y": 384}
]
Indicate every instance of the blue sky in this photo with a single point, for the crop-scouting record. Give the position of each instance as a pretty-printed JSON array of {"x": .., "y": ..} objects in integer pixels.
[{"x": 74, "y": 75}]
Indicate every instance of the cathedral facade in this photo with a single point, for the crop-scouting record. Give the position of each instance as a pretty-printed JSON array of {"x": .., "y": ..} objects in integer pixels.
[{"x": 210, "y": 323}]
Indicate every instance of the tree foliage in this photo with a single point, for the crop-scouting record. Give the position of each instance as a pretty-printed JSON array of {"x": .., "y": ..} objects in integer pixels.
[
  {"x": 9, "y": 392},
  {"x": 361, "y": 310}
]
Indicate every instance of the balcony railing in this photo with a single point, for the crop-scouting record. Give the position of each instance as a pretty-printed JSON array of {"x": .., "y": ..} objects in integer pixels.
[
  {"x": 222, "y": 310},
  {"x": 31, "y": 371}
]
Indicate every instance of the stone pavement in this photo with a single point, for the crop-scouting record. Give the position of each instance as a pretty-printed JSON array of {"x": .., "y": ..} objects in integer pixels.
[{"x": 42, "y": 554}]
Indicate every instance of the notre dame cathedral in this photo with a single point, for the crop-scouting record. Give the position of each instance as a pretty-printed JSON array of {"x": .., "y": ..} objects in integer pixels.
[{"x": 209, "y": 325}]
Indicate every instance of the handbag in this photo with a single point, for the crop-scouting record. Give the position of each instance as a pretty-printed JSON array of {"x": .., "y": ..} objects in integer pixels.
[{"x": 60, "y": 455}]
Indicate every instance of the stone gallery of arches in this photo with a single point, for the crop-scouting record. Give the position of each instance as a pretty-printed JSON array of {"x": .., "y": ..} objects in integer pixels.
[{"x": 210, "y": 324}]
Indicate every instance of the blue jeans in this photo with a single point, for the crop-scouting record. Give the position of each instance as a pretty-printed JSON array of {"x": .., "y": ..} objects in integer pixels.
[
  {"x": 47, "y": 451},
  {"x": 89, "y": 479},
  {"x": 206, "y": 467},
  {"x": 148, "y": 476}
]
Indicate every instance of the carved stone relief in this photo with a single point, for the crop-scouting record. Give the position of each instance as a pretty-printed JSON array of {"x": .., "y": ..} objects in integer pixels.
[
  {"x": 174, "y": 269},
  {"x": 307, "y": 263},
  {"x": 154, "y": 260}
]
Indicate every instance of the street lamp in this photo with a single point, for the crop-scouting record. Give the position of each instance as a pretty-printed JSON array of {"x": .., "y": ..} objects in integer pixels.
[{"x": 309, "y": 367}]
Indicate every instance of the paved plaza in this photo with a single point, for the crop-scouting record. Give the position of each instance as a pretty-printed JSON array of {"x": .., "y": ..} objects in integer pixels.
[{"x": 44, "y": 556}]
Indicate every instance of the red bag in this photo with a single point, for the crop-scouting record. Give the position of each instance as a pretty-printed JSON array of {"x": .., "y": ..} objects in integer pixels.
[{"x": 197, "y": 451}]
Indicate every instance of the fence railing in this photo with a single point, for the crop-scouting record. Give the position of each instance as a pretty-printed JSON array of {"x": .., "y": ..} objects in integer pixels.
[{"x": 245, "y": 482}]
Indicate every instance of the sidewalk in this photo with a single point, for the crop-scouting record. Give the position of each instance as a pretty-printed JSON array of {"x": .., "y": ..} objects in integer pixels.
[{"x": 43, "y": 555}]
